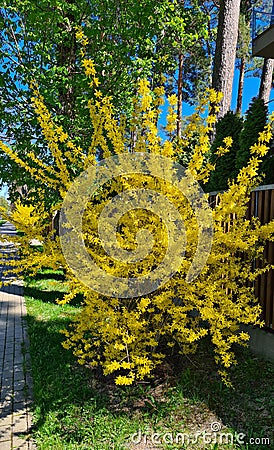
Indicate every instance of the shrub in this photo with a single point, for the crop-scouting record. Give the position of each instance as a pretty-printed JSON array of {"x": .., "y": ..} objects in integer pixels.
[{"x": 124, "y": 334}]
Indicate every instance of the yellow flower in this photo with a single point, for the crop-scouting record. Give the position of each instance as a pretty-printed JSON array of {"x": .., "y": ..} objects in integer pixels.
[
  {"x": 228, "y": 141},
  {"x": 124, "y": 381},
  {"x": 173, "y": 100}
]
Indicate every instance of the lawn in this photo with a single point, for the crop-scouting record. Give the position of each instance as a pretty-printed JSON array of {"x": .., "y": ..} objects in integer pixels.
[{"x": 77, "y": 408}]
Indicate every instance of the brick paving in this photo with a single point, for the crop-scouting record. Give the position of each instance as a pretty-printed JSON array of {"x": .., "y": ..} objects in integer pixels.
[{"x": 15, "y": 381}]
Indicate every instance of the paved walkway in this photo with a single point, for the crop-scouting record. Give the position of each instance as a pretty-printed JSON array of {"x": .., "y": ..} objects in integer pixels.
[{"x": 15, "y": 379}]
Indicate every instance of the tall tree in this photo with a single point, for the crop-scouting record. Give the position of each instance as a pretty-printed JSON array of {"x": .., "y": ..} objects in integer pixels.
[
  {"x": 229, "y": 125},
  {"x": 180, "y": 90},
  {"x": 255, "y": 122},
  {"x": 190, "y": 54},
  {"x": 225, "y": 53},
  {"x": 243, "y": 48},
  {"x": 266, "y": 80}
]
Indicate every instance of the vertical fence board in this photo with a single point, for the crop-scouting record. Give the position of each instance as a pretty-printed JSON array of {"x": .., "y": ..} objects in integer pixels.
[
  {"x": 270, "y": 286},
  {"x": 262, "y": 277},
  {"x": 252, "y": 205},
  {"x": 257, "y": 264},
  {"x": 266, "y": 279},
  {"x": 261, "y": 205}
]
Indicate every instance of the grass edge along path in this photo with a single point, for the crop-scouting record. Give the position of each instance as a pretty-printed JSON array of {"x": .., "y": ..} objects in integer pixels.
[{"x": 77, "y": 408}]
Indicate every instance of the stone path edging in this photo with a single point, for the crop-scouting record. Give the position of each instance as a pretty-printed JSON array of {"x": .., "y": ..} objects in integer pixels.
[{"x": 15, "y": 381}]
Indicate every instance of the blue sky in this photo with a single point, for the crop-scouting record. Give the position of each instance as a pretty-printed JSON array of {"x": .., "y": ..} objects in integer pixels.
[
  {"x": 4, "y": 191},
  {"x": 251, "y": 89}
]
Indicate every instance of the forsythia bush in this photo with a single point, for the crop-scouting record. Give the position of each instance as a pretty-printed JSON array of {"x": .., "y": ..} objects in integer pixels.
[{"x": 127, "y": 336}]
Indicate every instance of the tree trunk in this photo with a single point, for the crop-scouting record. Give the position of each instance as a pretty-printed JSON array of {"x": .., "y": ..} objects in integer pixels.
[
  {"x": 180, "y": 96},
  {"x": 225, "y": 53},
  {"x": 180, "y": 91},
  {"x": 241, "y": 87},
  {"x": 266, "y": 80},
  {"x": 66, "y": 57}
]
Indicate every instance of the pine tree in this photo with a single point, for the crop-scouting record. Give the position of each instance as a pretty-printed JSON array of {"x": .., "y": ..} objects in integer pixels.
[
  {"x": 229, "y": 125},
  {"x": 255, "y": 121},
  {"x": 267, "y": 167}
]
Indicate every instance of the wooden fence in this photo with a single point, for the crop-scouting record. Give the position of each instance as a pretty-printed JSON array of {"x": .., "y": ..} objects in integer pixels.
[{"x": 261, "y": 205}]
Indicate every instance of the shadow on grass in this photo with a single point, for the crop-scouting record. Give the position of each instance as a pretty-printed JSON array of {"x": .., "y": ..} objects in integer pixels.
[
  {"x": 79, "y": 405},
  {"x": 49, "y": 296},
  {"x": 247, "y": 408},
  {"x": 65, "y": 403},
  {"x": 52, "y": 274},
  {"x": 44, "y": 296}
]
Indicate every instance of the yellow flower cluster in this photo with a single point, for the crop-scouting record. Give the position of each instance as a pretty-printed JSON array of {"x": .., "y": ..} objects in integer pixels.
[
  {"x": 123, "y": 336},
  {"x": 55, "y": 135},
  {"x": 81, "y": 38},
  {"x": 172, "y": 115}
]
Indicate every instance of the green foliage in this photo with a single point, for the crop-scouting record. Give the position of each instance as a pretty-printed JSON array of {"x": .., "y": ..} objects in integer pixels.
[
  {"x": 127, "y": 40},
  {"x": 229, "y": 125},
  {"x": 244, "y": 134},
  {"x": 243, "y": 46},
  {"x": 267, "y": 167},
  {"x": 255, "y": 122}
]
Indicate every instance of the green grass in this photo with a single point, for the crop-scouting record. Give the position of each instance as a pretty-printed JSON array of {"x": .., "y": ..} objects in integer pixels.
[
  {"x": 78, "y": 408},
  {"x": 2, "y": 222}
]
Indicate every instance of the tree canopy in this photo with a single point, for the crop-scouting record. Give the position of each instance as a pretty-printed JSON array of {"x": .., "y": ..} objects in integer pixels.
[{"x": 127, "y": 40}]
